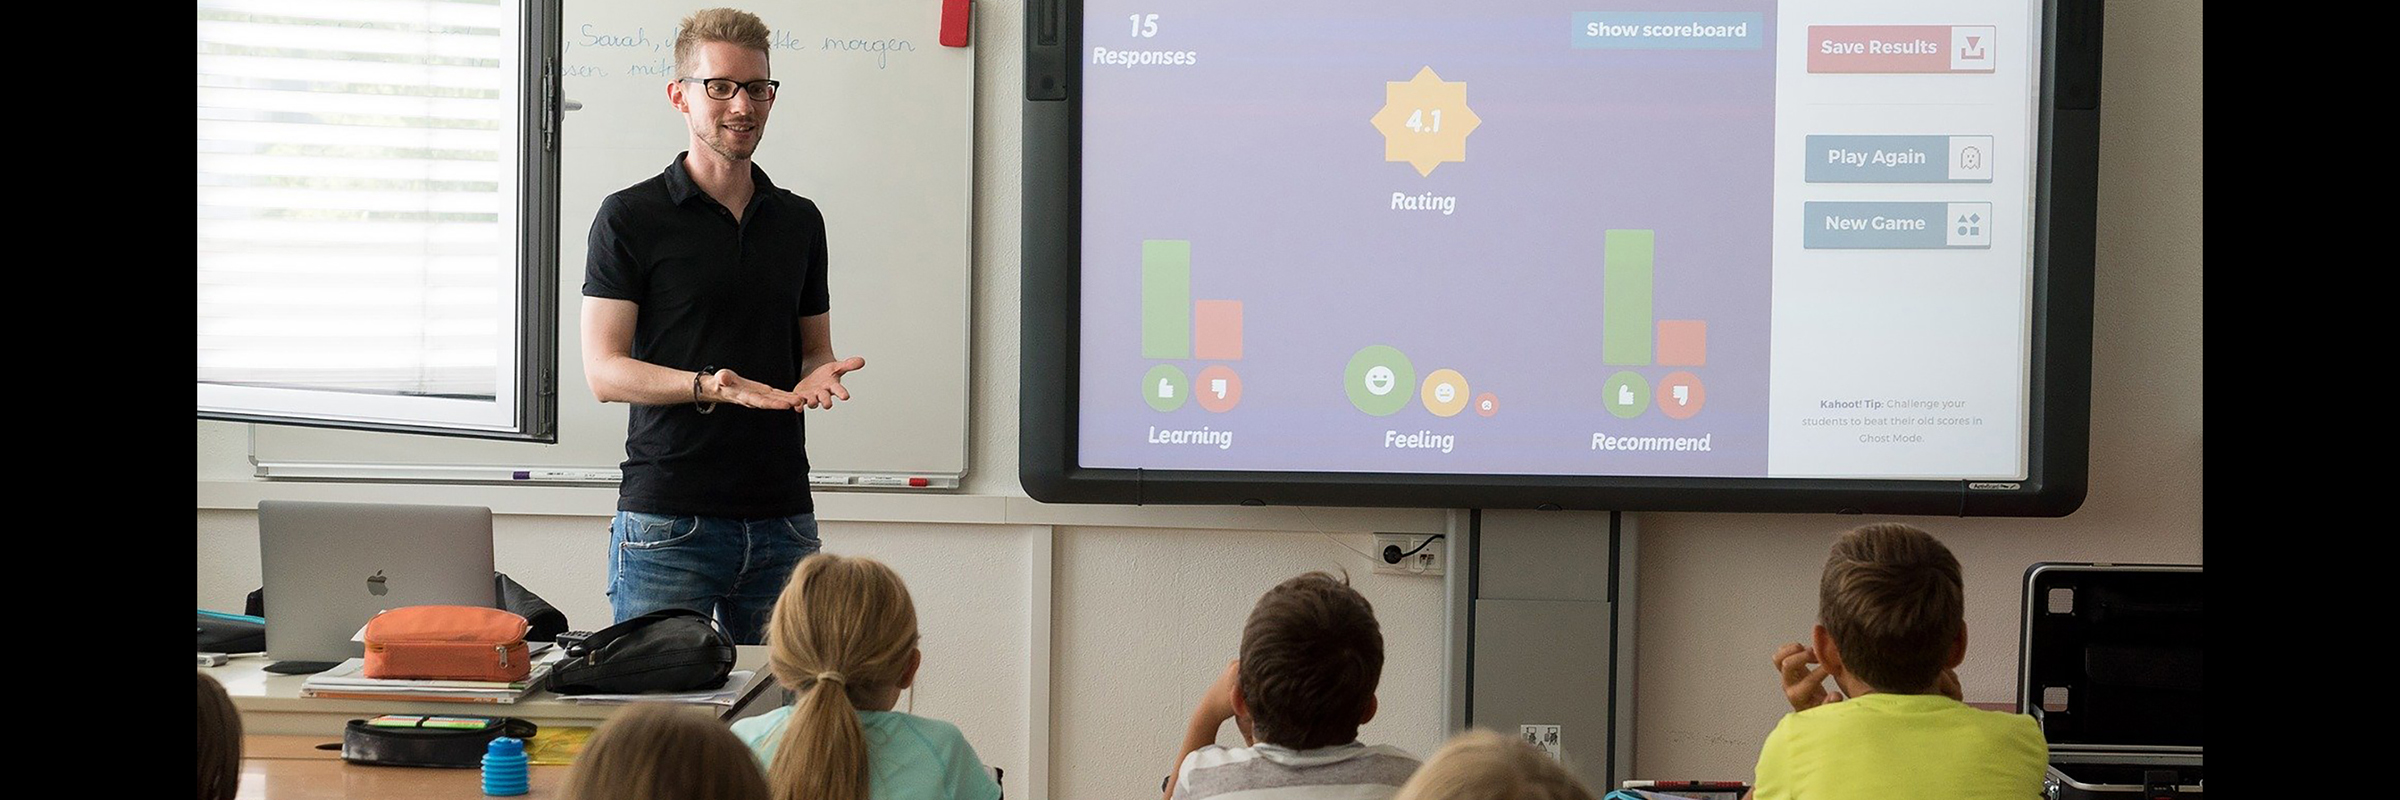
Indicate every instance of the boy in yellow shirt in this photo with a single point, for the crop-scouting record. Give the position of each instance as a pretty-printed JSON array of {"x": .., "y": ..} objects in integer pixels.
[{"x": 1891, "y": 630}]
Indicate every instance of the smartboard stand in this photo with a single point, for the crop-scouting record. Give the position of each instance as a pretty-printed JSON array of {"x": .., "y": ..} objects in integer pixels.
[{"x": 1538, "y": 608}]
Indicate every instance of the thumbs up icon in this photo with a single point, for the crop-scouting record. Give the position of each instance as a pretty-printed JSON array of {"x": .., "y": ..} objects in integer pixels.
[
  {"x": 1166, "y": 389},
  {"x": 1624, "y": 394}
]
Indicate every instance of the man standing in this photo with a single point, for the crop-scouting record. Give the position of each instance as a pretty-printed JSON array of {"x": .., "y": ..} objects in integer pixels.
[{"x": 704, "y": 296}]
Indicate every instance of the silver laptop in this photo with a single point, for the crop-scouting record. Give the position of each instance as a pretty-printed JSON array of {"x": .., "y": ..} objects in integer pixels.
[{"x": 327, "y": 568}]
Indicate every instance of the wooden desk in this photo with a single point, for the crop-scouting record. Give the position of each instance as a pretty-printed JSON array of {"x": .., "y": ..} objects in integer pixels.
[
  {"x": 288, "y": 767},
  {"x": 271, "y": 704}
]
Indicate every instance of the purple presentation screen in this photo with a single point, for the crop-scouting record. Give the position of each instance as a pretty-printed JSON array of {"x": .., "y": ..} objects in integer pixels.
[{"x": 1545, "y": 238}]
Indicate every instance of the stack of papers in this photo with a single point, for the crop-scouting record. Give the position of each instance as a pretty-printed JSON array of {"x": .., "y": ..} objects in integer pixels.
[
  {"x": 349, "y": 680},
  {"x": 721, "y": 697}
]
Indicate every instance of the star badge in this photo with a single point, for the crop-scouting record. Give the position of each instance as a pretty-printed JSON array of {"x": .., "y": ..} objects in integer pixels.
[{"x": 1425, "y": 121}]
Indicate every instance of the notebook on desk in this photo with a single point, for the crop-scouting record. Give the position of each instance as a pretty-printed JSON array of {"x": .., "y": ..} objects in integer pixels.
[{"x": 327, "y": 568}]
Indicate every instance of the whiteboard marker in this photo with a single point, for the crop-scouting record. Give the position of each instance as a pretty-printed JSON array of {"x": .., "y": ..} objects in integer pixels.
[{"x": 892, "y": 480}]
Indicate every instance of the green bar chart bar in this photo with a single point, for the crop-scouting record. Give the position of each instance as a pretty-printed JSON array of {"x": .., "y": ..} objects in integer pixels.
[
  {"x": 1625, "y": 306},
  {"x": 1167, "y": 298}
]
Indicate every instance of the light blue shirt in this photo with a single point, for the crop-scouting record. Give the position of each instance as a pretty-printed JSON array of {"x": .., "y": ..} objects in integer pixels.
[{"x": 908, "y": 756}]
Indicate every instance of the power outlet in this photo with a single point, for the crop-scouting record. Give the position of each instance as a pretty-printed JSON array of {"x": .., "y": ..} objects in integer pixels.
[
  {"x": 1542, "y": 736},
  {"x": 1427, "y": 560}
]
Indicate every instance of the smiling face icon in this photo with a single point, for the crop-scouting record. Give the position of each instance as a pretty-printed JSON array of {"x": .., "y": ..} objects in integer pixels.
[
  {"x": 1380, "y": 380},
  {"x": 1374, "y": 378}
]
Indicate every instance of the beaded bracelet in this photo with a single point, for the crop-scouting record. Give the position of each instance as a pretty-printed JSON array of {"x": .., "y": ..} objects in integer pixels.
[{"x": 696, "y": 376}]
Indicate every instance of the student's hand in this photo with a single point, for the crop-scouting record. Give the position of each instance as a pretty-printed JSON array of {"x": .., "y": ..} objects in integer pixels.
[
  {"x": 1216, "y": 704},
  {"x": 824, "y": 385},
  {"x": 728, "y": 387},
  {"x": 1949, "y": 686},
  {"x": 1803, "y": 686}
]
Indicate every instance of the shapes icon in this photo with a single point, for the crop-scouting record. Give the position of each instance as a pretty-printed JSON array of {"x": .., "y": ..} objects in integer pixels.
[
  {"x": 1445, "y": 392},
  {"x": 1373, "y": 378},
  {"x": 1970, "y": 225},
  {"x": 1425, "y": 121},
  {"x": 1680, "y": 395},
  {"x": 1165, "y": 388},
  {"x": 1220, "y": 388}
]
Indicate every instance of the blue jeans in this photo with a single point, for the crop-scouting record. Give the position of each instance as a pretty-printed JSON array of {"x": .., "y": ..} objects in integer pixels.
[{"x": 733, "y": 568}]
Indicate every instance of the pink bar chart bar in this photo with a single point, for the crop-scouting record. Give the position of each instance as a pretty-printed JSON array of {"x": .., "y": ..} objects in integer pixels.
[
  {"x": 1218, "y": 329},
  {"x": 1682, "y": 343}
]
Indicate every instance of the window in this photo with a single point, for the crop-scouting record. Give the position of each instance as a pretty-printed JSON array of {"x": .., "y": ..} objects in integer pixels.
[{"x": 378, "y": 214}]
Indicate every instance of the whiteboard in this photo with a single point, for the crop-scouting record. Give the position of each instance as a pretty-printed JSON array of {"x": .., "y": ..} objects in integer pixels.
[{"x": 874, "y": 121}]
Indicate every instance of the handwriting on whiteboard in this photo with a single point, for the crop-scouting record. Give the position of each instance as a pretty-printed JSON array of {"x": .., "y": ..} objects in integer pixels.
[{"x": 600, "y": 51}]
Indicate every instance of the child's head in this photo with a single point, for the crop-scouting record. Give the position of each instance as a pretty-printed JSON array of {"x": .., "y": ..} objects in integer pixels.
[
  {"x": 665, "y": 751},
  {"x": 220, "y": 742},
  {"x": 1894, "y": 607},
  {"x": 1480, "y": 764},
  {"x": 1311, "y": 655},
  {"x": 843, "y": 636}
]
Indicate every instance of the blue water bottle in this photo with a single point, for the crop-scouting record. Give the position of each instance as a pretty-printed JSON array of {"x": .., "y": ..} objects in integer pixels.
[{"x": 504, "y": 768}]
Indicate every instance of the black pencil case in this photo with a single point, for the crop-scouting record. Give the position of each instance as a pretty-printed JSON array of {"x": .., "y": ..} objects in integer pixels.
[{"x": 436, "y": 741}]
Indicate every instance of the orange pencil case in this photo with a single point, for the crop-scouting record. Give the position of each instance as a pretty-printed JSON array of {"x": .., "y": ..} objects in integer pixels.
[{"x": 464, "y": 643}]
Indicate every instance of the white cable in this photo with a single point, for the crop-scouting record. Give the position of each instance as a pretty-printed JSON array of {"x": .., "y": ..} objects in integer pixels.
[{"x": 1329, "y": 537}]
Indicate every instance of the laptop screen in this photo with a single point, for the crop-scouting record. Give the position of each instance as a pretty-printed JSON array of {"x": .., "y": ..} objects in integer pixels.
[{"x": 327, "y": 568}]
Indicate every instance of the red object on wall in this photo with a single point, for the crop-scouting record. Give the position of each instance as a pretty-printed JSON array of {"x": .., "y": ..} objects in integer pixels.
[{"x": 955, "y": 14}]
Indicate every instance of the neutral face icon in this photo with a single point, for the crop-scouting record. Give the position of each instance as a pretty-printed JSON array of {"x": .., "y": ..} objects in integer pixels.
[
  {"x": 375, "y": 584},
  {"x": 1380, "y": 380}
]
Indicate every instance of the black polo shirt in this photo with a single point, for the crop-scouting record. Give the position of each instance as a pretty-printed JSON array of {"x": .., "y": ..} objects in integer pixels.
[{"x": 714, "y": 293}]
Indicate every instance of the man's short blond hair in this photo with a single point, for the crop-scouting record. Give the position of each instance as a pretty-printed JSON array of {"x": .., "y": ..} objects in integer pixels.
[{"x": 729, "y": 25}]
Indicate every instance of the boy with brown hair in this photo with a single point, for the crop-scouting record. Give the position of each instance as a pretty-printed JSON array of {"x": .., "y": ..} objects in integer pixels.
[
  {"x": 1311, "y": 655},
  {"x": 1891, "y": 631}
]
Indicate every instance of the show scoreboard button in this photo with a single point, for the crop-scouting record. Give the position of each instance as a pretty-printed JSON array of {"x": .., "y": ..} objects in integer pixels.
[{"x": 1902, "y": 48}]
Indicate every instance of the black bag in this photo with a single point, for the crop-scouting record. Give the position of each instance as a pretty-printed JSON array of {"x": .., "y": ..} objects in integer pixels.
[
  {"x": 456, "y": 742},
  {"x": 668, "y": 650},
  {"x": 231, "y": 633}
]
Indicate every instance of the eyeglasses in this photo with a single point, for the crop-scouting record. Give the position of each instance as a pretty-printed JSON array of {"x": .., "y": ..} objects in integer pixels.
[{"x": 761, "y": 90}]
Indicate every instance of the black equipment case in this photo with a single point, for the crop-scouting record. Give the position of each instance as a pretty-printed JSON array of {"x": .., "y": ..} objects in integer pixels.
[{"x": 2109, "y": 664}]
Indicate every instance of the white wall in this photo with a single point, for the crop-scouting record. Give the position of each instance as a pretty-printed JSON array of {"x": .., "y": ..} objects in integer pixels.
[{"x": 1069, "y": 641}]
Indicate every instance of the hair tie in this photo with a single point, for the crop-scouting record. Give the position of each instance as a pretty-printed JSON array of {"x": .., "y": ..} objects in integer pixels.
[{"x": 832, "y": 676}]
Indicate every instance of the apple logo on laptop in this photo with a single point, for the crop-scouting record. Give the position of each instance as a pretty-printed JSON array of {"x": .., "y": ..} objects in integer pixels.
[{"x": 375, "y": 584}]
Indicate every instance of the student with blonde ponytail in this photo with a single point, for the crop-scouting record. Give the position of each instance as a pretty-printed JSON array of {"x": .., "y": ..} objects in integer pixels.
[{"x": 843, "y": 638}]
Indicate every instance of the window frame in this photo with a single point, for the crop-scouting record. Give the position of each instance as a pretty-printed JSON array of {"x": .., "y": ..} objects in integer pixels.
[{"x": 525, "y": 406}]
